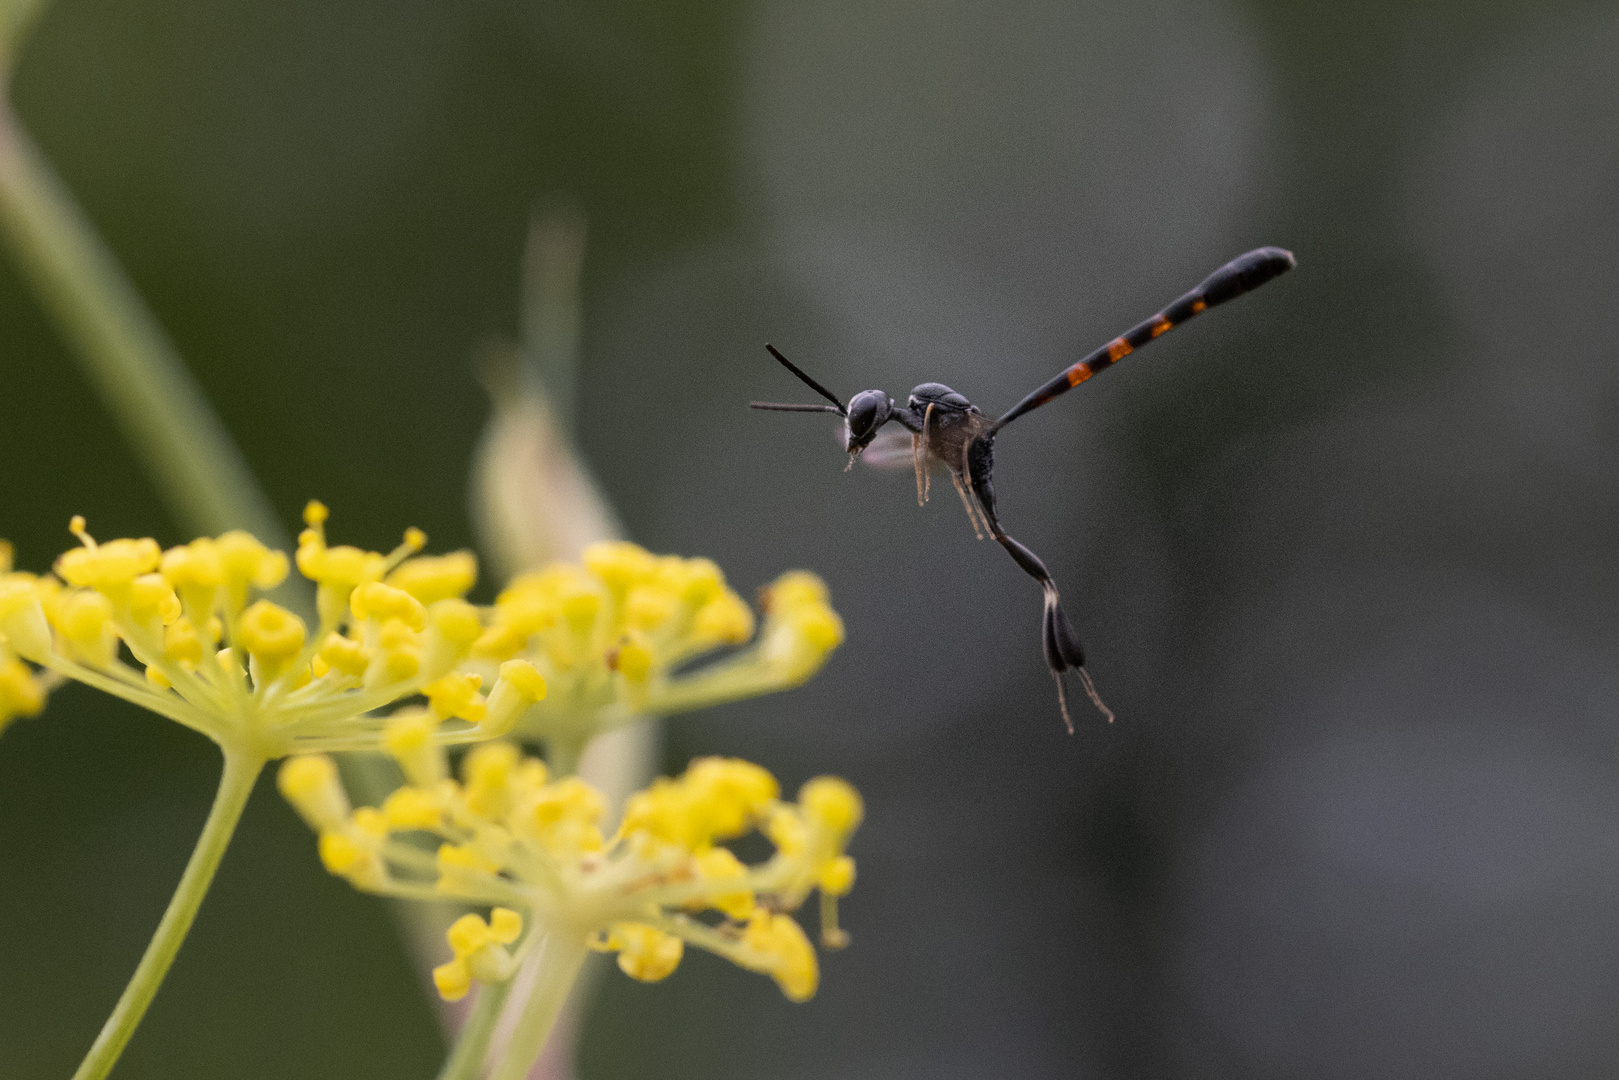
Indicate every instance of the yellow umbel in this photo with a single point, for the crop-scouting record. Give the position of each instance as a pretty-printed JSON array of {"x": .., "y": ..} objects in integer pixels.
[{"x": 511, "y": 836}]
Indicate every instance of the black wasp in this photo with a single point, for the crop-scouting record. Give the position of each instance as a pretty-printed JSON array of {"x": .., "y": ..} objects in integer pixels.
[{"x": 947, "y": 428}]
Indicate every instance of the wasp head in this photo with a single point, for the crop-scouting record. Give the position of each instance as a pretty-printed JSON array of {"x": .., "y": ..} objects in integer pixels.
[{"x": 868, "y": 411}]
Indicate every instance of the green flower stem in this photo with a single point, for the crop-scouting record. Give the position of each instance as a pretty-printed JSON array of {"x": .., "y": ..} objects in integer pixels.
[
  {"x": 559, "y": 963},
  {"x": 472, "y": 1044},
  {"x": 562, "y": 956},
  {"x": 235, "y": 786}
]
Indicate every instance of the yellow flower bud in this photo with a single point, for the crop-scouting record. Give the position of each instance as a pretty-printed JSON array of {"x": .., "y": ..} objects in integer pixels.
[
  {"x": 831, "y": 804},
  {"x": 645, "y": 953},
  {"x": 719, "y": 864},
  {"x": 619, "y": 564},
  {"x": 519, "y": 687},
  {"x": 457, "y": 696},
  {"x": 151, "y": 597},
  {"x": 20, "y": 693},
  {"x": 111, "y": 567},
  {"x": 311, "y": 785},
  {"x": 488, "y": 771},
  {"x": 271, "y": 634},
  {"x": 23, "y": 626},
  {"x": 84, "y": 618},
  {"x": 837, "y": 876},
  {"x": 345, "y": 655},
  {"x": 374, "y": 600},
  {"x": 781, "y": 950},
  {"x": 412, "y": 808},
  {"x": 453, "y": 980},
  {"x": 431, "y": 578}
]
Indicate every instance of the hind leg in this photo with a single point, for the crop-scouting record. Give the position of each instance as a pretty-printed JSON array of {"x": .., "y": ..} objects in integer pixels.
[{"x": 1058, "y": 641}]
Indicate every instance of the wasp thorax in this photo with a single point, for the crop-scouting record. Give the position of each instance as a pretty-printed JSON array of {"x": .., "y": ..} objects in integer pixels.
[{"x": 868, "y": 411}]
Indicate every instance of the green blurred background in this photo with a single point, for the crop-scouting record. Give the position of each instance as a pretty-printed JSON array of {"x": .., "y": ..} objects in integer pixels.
[{"x": 1342, "y": 553}]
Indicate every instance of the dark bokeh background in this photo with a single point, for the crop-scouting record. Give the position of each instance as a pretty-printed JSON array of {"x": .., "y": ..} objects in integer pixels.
[{"x": 1342, "y": 552}]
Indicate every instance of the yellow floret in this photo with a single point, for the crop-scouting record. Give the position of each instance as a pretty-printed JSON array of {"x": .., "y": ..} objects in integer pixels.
[
  {"x": 374, "y": 600},
  {"x": 271, "y": 634},
  {"x": 518, "y": 687},
  {"x": 151, "y": 597},
  {"x": 782, "y": 951},
  {"x": 310, "y": 783},
  {"x": 20, "y": 692},
  {"x": 412, "y": 808},
  {"x": 619, "y": 564},
  {"x": 724, "y": 620},
  {"x": 487, "y": 772},
  {"x": 644, "y": 952},
  {"x": 84, "y": 619},
  {"x": 398, "y": 656},
  {"x": 23, "y": 623},
  {"x": 345, "y": 655},
  {"x": 109, "y": 567},
  {"x": 430, "y": 578},
  {"x": 456, "y": 621},
  {"x": 633, "y": 661},
  {"x": 461, "y": 868},
  {"x": 479, "y": 951},
  {"x": 719, "y": 864},
  {"x": 832, "y": 804},
  {"x": 453, "y": 980},
  {"x": 457, "y": 695},
  {"x": 245, "y": 561}
]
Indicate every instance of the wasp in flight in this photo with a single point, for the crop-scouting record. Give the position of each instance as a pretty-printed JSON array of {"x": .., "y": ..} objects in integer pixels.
[{"x": 947, "y": 428}]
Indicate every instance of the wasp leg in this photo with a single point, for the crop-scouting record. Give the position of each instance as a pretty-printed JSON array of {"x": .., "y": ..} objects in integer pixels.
[
  {"x": 967, "y": 502},
  {"x": 1058, "y": 641},
  {"x": 956, "y": 475},
  {"x": 919, "y": 453}
]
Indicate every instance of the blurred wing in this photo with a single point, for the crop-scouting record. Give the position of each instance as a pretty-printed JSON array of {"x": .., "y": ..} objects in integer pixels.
[{"x": 891, "y": 449}]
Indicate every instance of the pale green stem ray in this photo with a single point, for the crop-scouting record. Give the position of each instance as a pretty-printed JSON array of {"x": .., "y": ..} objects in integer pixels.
[
  {"x": 472, "y": 1044},
  {"x": 562, "y": 954},
  {"x": 235, "y": 785}
]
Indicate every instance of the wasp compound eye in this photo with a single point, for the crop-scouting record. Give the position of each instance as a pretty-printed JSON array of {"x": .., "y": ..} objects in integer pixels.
[{"x": 868, "y": 411}]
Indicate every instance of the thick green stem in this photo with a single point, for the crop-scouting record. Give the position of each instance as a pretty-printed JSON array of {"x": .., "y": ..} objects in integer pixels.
[
  {"x": 562, "y": 955},
  {"x": 241, "y": 770},
  {"x": 472, "y": 1043},
  {"x": 122, "y": 349}
]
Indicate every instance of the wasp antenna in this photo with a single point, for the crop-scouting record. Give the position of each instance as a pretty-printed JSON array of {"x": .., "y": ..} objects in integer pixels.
[
  {"x": 773, "y": 406},
  {"x": 841, "y": 410}
]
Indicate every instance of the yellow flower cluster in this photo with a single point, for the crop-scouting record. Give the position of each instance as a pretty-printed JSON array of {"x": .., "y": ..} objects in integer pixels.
[
  {"x": 22, "y": 690},
  {"x": 509, "y": 835},
  {"x": 247, "y": 672},
  {"x": 612, "y": 637}
]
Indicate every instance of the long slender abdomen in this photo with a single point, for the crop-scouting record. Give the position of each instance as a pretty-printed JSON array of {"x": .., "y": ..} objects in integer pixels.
[{"x": 1242, "y": 274}]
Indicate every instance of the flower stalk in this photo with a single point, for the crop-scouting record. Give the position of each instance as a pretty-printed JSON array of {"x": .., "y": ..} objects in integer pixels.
[
  {"x": 242, "y": 769},
  {"x": 560, "y": 958},
  {"x": 472, "y": 1040}
]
